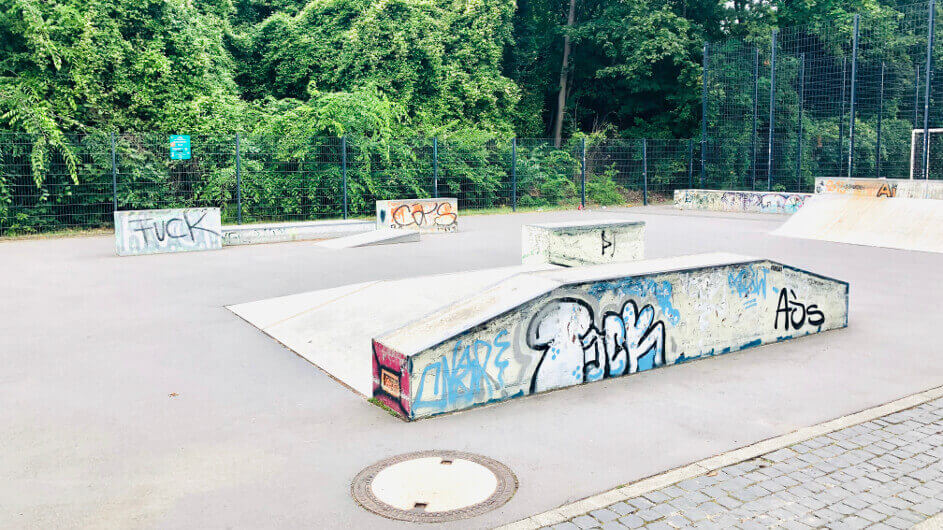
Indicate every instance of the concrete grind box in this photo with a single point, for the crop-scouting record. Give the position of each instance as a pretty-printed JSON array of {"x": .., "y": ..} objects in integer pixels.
[
  {"x": 172, "y": 230},
  {"x": 582, "y": 243},
  {"x": 426, "y": 215},
  {"x": 541, "y": 331}
]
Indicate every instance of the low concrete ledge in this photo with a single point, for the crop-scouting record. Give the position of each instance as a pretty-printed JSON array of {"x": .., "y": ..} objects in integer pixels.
[
  {"x": 740, "y": 201},
  {"x": 171, "y": 230},
  {"x": 292, "y": 231},
  {"x": 583, "y": 242}
]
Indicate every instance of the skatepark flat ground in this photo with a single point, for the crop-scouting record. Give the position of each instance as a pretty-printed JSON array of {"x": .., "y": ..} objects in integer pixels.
[{"x": 132, "y": 398}]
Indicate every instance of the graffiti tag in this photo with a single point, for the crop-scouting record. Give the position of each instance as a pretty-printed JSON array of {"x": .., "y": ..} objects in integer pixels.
[
  {"x": 464, "y": 378},
  {"x": 423, "y": 214},
  {"x": 608, "y": 244},
  {"x": 174, "y": 228},
  {"x": 749, "y": 283},
  {"x": 796, "y": 313},
  {"x": 573, "y": 349},
  {"x": 864, "y": 189}
]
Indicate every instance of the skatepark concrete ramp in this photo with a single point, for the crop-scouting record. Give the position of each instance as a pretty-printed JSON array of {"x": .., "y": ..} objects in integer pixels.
[
  {"x": 385, "y": 236},
  {"x": 538, "y": 331},
  {"x": 903, "y": 223},
  {"x": 333, "y": 328}
]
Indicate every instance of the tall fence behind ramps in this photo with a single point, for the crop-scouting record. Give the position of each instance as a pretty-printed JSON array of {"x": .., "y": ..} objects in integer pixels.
[
  {"x": 254, "y": 178},
  {"x": 839, "y": 99}
]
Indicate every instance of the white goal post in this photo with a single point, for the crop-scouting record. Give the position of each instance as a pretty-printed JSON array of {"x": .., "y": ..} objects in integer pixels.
[{"x": 913, "y": 147}]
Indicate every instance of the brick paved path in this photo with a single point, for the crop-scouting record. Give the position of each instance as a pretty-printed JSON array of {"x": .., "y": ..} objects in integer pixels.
[{"x": 885, "y": 473}]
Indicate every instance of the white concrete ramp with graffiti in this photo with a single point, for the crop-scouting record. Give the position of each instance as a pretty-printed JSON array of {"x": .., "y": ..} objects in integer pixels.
[
  {"x": 903, "y": 223},
  {"x": 538, "y": 331},
  {"x": 333, "y": 328}
]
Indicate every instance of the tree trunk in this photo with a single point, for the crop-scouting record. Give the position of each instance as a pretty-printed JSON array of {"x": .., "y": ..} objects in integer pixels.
[{"x": 564, "y": 70}]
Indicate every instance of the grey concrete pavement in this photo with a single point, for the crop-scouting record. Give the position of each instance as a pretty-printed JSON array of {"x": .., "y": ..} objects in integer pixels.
[
  {"x": 133, "y": 399},
  {"x": 881, "y": 474}
]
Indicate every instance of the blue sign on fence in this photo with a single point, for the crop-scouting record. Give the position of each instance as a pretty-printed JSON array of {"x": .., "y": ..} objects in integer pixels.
[{"x": 180, "y": 147}]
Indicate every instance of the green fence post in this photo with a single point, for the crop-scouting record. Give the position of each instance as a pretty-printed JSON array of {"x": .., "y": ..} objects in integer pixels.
[
  {"x": 238, "y": 183},
  {"x": 644, "y": 172},
  {"x": 928, "y": 74},
  {"x": 877, "y": 147},
  {"x": 435, "y": 166},
  {"x": 344, "y": 170},
  {"x": 514, "y": 174},
  {"x": 756, "y": 97},
  {"x": 772, "y": 113},
  {"x": 704, "y": 71},
  {"x": 114, "y": 175},
  {"x": 690, "y": 162},
  {"x": 799, "y": 132},
  {"x": 583, "y": 172},
  {"x": 851, "y": 120},
  {"x": 841, "y": 119}
]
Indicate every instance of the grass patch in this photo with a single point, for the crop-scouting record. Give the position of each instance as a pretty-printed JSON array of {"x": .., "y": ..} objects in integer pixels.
[
  {"x": 385, "y": 407},
  {"x": 58, "y": 234}
]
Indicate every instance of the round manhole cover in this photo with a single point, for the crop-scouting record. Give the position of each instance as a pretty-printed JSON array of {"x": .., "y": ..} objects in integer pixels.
[{"x": 434, "y": 486}]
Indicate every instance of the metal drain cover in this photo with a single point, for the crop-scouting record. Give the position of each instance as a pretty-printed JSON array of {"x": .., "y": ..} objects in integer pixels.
[{"x": 434, "y": 486}]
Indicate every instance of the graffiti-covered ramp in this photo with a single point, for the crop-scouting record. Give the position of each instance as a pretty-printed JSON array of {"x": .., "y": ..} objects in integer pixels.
[
  {"x": 902, "y": 223},
  {"x": 333, "y": 328},
  {"x": 545, "y": 330}
]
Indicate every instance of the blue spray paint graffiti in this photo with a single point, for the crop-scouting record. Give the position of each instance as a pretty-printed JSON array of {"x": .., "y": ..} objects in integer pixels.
[
  {"x": 748, "y": 283},
  {"x": 641, "y": 288},
  {"x": 468, "y": 380}
]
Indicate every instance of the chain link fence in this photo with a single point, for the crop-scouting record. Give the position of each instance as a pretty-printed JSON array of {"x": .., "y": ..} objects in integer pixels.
[
  {"x": 851, "y": 97},
  {"x": 267, "y": 179}
]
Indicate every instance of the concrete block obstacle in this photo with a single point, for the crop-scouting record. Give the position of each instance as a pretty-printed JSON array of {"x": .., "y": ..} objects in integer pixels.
[
  {"x": 888, "y": 188},
  {"x": 902, "y": 223},
  {"x": 384, "y": 236},
  {"x": 540, "y": 331},
  {"x": 292, "y": 231},
  {"x": 583, "y": 242},
  {"x": 425, "y": 215},
  {"x": 171, "y": 230},
  {"x": 740, "y": 201}
]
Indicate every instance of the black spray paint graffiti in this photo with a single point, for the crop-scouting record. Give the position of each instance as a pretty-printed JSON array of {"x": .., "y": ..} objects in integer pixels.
[
  {"x": 175, "y": 228},
  {"x": 573, "y": 349},
  {"x": 608, "y": 244},
  {"x": 796, "y": 313}
]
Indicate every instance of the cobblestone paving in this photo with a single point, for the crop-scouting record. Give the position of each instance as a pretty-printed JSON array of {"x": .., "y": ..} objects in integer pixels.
[{"x": 886, "y": 473}]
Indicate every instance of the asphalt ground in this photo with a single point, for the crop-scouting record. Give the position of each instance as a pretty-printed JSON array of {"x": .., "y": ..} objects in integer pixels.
[{"x": 131, "y": 398}]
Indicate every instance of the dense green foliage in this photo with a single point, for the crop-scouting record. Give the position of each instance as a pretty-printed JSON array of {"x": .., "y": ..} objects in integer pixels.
[
  {"x": 429, "y": 67},
  {"x": 293, "y": 75}
]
